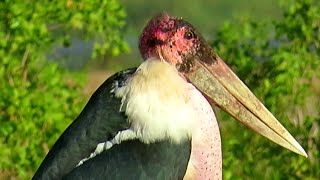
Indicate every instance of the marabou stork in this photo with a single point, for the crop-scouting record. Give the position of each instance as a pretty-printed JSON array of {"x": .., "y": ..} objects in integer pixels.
[{"x": 156, "y": 121}]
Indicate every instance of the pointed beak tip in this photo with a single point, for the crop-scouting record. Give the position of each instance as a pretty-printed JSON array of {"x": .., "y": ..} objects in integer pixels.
[
  {"x": 297, "y": 148},
  {"x": 303, "y": 153}
]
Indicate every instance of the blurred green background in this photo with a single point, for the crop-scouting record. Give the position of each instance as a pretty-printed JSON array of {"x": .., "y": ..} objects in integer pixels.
[{"x": 54, "y": 54}]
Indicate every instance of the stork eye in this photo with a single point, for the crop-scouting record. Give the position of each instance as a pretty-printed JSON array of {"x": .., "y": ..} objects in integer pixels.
[{"x": 189, "y": 35}]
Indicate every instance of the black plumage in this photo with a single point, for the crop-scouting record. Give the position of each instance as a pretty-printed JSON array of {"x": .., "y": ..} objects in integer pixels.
[{"x": 138, "y": 161}]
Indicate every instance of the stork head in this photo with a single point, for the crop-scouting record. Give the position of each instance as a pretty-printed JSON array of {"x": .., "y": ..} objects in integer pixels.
[{"x": 177, "y": 42}]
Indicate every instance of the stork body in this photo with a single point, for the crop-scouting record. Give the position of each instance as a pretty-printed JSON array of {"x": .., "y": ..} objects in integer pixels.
[
  {"x": 158, "y": 117},
  {"x": 160, "y": 123}
]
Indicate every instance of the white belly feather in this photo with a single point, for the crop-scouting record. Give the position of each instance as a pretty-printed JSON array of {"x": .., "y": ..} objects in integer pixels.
[{"x": 158, "y": 103}]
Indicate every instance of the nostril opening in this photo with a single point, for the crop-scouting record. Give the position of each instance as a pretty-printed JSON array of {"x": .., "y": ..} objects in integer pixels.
[{"x": 154, "y": 42}]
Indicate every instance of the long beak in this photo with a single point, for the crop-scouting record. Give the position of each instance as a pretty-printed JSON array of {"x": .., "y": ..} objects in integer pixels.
[{"x": 224, "y": 88}]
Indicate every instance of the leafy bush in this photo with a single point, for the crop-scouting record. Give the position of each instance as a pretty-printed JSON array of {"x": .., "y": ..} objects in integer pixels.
[
  {"x": 37, "y": 98},
  {"x": 280, "y": 62}
]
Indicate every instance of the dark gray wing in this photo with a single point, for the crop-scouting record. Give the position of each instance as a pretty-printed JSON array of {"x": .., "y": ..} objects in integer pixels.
[
  {"x": 138, "y": 161},
  {"x": 99, "y": 121}
]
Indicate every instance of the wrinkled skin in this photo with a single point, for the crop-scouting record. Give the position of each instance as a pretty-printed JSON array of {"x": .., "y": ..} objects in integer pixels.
[{"x": 176, "y": 42}]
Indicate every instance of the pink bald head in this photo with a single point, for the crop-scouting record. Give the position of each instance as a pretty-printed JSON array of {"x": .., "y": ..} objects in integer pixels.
[{"x": 173, "y": 40}]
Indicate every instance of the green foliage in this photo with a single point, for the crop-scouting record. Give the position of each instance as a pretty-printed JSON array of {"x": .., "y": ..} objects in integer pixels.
[
  {"x": 280, "y": 62},
  {"x": 37, "y": 98}
]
